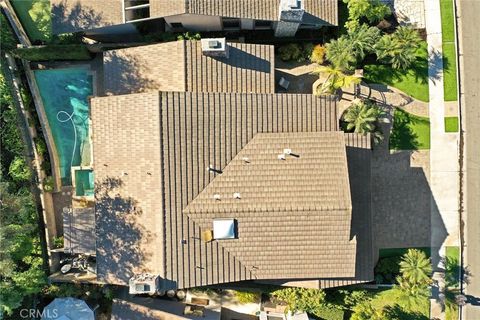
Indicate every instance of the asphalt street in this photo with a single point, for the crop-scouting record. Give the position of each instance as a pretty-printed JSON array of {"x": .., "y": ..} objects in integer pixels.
[{"x": 469, "y": 14}]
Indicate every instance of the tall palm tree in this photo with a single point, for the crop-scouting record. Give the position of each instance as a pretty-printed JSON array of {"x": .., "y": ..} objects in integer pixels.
[
  {"x": 416, "y": 268},
  {"x": 340, "y": 53},
  {"x": 399, "y": 48},
  {"x": 335, "y": 79},
  {"x": 362, "y": 40},
  {"x": 363, "y": 117}
]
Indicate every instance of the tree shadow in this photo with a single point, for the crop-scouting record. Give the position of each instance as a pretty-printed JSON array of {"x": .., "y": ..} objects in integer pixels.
[
  {"x": 453, "y": 270},
  {"x": 72, "y": 16},
  {"x": 403, "y": 137},
  {"x": 120, "y": 236},
  {"x": 126, "y": 73},
  {"x": 436, "y": 63},
  {"x": 396, "y": 312}
]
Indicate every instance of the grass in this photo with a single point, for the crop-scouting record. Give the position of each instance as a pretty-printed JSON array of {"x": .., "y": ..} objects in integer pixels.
[
  {"x": 413, "y": 81},
  {"x": 390, "y": 297},
  {"x": 446, "y": 11},
  {"x": 35, "y": 17},
  {"x": 451, "y": 124},
  {"x": 449, "y": 71},
  {"x": 449, "y": 52},
  {"x": 409, "y": 132}
]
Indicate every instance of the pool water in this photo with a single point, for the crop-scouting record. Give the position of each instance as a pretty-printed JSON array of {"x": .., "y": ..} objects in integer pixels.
[
  {"x": 64, "y": 94},
  {"x": 84, "y": 183}
]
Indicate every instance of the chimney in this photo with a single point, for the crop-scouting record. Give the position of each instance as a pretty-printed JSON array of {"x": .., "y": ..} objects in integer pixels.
[
  {"x": 290, "y": 17},
  {"x": 215, "y": 47}
]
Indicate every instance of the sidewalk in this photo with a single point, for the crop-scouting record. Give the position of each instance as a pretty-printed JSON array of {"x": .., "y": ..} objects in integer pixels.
[{"x": 444, "y": 156}]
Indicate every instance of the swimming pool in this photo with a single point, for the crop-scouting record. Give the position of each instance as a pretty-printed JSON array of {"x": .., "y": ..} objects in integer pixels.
[{"x": 64, "y": 94}]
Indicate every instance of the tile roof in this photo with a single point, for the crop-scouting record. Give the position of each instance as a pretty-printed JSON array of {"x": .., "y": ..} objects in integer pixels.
[
  {"x": 294, "y": 215},
  {"x": 316, "y": 11},
  {"x": 78, "y": 15},
  {"x": 174, "y": 136},
  {"x": 250, "y": 68}
]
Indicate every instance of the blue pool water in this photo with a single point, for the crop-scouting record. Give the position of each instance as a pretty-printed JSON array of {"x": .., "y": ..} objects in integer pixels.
[
  {"x": 84, "y": 182},
  {"x": 64, "y": 94}
]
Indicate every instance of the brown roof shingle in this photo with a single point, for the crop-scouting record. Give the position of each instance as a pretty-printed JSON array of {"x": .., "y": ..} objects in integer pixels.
[
  {"x": 175, "y": 136},
  {"x": 294, "y": 215},
  {"x": 181, "y": 66}
]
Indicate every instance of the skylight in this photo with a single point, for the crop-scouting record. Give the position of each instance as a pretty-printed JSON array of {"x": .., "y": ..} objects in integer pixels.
[{"x": 224, "y": 229}]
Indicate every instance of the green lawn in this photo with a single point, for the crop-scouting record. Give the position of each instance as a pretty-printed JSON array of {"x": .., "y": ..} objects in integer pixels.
[
  {"x": 449, "y": 71},
  {"x": 409, "y": 132},
  {"x": 451, "y": 124},
  {"x": 390, "y": 297},
  {"x": 449, "y": 52},
  {"x": 413, "y": 82},
  {"x": 35, "y": 17},
  {"x": 448, "y": 30}
]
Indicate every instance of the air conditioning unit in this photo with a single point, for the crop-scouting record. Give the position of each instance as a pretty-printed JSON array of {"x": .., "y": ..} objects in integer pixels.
[
  {"x": 215, "y": 47},
  {"x": 144, "y": 283}
]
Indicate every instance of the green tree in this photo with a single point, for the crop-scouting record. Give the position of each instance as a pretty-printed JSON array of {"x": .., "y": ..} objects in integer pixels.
[
  {"x": 335, "y": 79},
  {"x": 400, "y": 48},
  {"x": 370, "y": 10},
  {"x": 301, "y": 299},
  {"x": 365, "y": 311},
  {"x": 340, "y": 53},
  {"x": 363, "y": 40},
  {"x": 416, "y": 268},
  {"x": 363, "y": 116}
]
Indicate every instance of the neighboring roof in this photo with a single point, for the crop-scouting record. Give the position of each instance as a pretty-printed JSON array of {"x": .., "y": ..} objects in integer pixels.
[
  {"x": 67, "y": 308},
  {"x": 294, "y": 215},
  {"x": 141, "y": 308},
  {"x": 79, "y": 230},
  {"x": 316, "y": 11},
  {"x": 249, "y": 69},
  {"x": 78, "y": 15},
  {"x": 163, "y": 142}
]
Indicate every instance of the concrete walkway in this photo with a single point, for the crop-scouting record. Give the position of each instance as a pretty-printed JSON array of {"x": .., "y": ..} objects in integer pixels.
[{"x": 444, "y": 159}]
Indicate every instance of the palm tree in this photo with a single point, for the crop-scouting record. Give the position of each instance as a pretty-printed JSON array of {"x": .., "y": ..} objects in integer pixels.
[
  {"x": 335, "y": 79},
  {"x": 340, "y": 53},
  {"x": 363, "y": 117},
  {"x": 362, "y": 40},
  {"x": 416, "y": 268},
  {"x": 399, "y": 48},
  {"x": 411, "y": 294}
]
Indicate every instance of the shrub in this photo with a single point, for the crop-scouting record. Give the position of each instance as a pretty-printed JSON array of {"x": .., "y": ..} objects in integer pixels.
[
  {"x": 388, "y": 268},
  {"x": 301, "y": 299},
  {"x": 58, "y": 242},
  {"x": 329, "y": 313},
  {"x": 54, "y": 52},
  {"x": 318, "y": 54},
  {"x": 189, "y": 36},
  {"x": 247, "y": 296},
  {"x": 48, "y": 184},
  {"x": 40, "y": 146},
  {"x": 353, "y": 298},
  {"x": 291, "y": 51},
  {"x": 19, "y": 170},
  {"x": 46, "y": 167}
]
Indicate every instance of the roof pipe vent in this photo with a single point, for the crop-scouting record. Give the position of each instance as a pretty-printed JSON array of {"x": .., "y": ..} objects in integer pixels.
[
  {"x": 210, "y": 168},
  {"x": 281, "y": 156},
  {"x": 217, "y": 197},
  {"x": 290, "y": 153},
  {"x": 246, "y": 159},
  {"x": 236, "y": 195}
]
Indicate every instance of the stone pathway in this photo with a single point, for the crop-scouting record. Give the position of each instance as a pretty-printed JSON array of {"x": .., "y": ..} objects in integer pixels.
[{"x": 444, "y": 160}]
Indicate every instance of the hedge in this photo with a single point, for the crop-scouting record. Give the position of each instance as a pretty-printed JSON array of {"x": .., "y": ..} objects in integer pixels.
[{"x": 54, "y": 52}]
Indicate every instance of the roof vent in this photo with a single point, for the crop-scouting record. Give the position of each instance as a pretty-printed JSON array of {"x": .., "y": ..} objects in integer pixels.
[
  {"x": 215, "y": 47},
  {"x": 210, "y": 168},
  {"x": 287, "y": 151},
  {"x": 216, "y": 196},
  {"x": 246, "y": 159},
  {"x": 281, "y": 156},
  {"x": 236, "y": 195}
]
